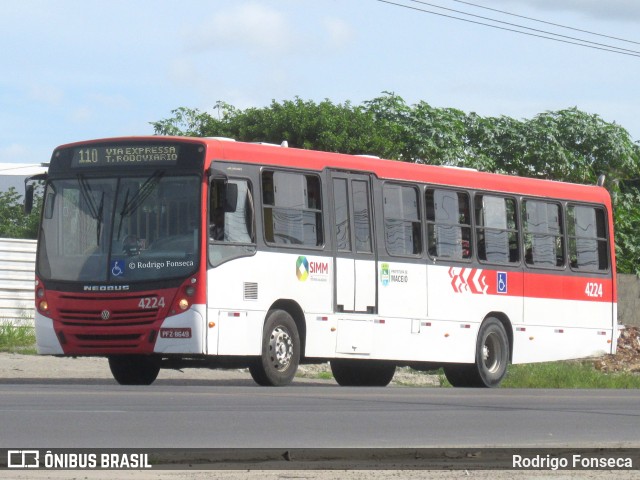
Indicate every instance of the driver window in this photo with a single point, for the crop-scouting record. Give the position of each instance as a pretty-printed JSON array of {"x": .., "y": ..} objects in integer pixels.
[{"x": 231, "y": 214}]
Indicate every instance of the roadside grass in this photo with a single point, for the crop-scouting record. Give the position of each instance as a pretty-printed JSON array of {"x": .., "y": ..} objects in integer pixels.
[
  {"x": 325, "y": 375},
  {"x": 569, "y": 374},
  {"x": 17, "y": 339}
]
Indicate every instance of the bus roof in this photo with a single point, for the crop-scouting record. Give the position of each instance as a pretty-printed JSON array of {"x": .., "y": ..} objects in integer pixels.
[{"x": 273, "y": 155}]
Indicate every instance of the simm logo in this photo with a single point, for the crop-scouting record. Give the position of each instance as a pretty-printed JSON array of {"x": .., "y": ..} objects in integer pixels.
[
  {"x": 302, "y": 268},
  {"x": 313, "y": 269}
]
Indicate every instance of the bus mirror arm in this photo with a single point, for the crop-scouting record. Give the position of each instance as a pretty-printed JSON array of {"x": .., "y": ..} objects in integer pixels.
[
  {"x": 29, "y": 189},
  {"x": 215, "y": 174}
]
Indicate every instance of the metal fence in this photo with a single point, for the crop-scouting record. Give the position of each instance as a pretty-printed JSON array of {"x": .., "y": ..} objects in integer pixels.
[{"x": 17, "y": 266}]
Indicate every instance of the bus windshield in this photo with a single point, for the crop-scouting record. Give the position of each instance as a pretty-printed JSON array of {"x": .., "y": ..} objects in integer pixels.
[{"x": 120, "y": 228}]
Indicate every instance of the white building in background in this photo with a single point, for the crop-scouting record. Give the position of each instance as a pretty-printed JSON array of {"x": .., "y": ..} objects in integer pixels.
[
  {"x": 13, "y": 174},
  {"x": 17, "y": 256},
  {"x": 17, "y": 272}
]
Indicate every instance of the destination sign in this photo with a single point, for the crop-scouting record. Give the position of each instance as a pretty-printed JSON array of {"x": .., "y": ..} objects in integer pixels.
[{"x": 112, "y": 156}]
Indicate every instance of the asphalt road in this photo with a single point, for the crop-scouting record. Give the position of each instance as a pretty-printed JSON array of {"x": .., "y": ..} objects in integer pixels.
[{"x": 231, "y": 414}]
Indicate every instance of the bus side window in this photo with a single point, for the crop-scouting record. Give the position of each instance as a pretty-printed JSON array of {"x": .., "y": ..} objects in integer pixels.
[
  {"x": 543, "y": 234},
  {"x": 402, "y": 220},
  {"x": 292, "y": 208},
  {"x": 448, "y": 224},
  {"x": 341, "y": 201},
  {"x": 361, "y": 216},
  {"x": 496, "y": 229},
  {"x": 587, "y": 235}
]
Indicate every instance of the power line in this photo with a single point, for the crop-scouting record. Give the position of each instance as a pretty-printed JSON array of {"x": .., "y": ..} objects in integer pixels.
[
  {"x": 580, "y": 43},
  {"x": 525, "y": 27},
  {"x": 546, "y": 22}
]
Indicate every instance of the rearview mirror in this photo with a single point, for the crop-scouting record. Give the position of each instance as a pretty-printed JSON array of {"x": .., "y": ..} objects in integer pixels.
[
  {"x": 28, "y": 199},
  {"x": 29, "y": 189},
  {"x": 231, "y": 201}
]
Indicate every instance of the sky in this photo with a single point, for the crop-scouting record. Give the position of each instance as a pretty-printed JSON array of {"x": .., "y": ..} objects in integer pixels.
[{"x": 81, "y": 69}]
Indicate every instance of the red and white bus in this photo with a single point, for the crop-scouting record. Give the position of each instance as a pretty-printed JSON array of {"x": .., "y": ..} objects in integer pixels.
[{"x": 204, "y": 252}]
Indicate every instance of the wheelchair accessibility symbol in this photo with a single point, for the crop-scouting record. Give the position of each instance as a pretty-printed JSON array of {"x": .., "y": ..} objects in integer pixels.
[
  {"x": 117, "y": 268},
  {"x": 502, "y": 282}
]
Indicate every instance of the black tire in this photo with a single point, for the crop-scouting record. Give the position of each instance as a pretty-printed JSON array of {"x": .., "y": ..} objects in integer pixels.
[
  {"x": 280, "y": 357},
  {"x": 492, "y": 359},
  {"x": 134, "y": 369},
  {"x": 460, "y": 375},
  {"x": 362, "y": 373}
]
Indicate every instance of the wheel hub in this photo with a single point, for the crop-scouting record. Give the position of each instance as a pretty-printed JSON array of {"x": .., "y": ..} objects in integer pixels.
[
  {"x": 281, "y": 348},
  {"x": 491, "y": 353}
]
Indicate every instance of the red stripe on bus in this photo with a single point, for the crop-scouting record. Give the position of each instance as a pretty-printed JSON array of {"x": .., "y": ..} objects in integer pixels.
[
  {"x": 551, "y": 286},
  {"x": 568, "y": 287}
]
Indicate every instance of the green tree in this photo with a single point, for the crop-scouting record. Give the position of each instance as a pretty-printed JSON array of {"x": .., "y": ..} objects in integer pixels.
[
  {"x": 322, "y": 126},
  {"x": 626, "y": 215},
  {"x": 14, "y": 223},
  {"x": 567, "y": 145}
]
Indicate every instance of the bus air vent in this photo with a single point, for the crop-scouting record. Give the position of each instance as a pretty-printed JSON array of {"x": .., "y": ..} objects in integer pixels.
[{"x": 250, "y": 291}]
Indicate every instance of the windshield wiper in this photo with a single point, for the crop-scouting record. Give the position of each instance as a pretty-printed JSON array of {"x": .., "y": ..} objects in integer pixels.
[
  {"x": 126, "y": 197},
  {"x": 130, "y": 206},
  {"x": 95, "y": 212}
]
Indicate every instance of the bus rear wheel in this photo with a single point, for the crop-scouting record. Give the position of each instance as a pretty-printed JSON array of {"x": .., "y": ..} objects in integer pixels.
[
  {"x": 362, "y": 373},
  {"x": 134, "y": 369},
  {"x": 280, "y": 351},
  {"x": 492, "y": 359}
]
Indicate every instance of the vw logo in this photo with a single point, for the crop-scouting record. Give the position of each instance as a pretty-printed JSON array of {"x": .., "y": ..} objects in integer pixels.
[{"x": 105, "y": 314}]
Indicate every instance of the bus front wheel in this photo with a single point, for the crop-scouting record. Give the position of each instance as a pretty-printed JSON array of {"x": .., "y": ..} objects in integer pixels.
[
  {"x": 492, "y": 359},
  {"x": 280, "y": 351},
  {"x": 134, "y": 369},
  {"x": 362, "y": 373}
]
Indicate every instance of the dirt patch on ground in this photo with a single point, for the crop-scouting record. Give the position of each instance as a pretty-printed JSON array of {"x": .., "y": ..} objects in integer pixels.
[{"x": 627, "y": 357}]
